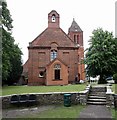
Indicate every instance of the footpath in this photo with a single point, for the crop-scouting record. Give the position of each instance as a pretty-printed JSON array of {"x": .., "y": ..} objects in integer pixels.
[
  {"x": 95, "y": 112},
  {"x": 96, "y": 109}
]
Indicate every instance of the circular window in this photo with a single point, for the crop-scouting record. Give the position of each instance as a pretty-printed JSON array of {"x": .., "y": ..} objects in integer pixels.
[{"x": 41, "y": 74}]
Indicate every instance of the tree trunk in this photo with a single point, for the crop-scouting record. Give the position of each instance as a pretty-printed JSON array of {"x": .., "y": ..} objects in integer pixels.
[{"x": 102, "y": 80}]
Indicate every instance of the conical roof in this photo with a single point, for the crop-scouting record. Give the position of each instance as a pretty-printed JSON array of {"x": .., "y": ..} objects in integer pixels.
[{"x": 75, "y": 27}]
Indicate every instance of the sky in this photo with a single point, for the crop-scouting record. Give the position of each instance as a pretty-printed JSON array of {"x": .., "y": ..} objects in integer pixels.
[{"x": 30, "y": 18}]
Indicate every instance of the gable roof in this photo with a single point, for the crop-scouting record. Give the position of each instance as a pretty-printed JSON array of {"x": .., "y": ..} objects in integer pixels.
[
  {"x": 50, "y": 35},
  {"x": 53, "y": 12},
  {"x": 75, "y": 27}
]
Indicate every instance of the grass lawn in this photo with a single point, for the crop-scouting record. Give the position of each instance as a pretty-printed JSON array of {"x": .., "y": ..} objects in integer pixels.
[
  {"x": 59, "y": 112},
  {"x": 114, "y": 88},
  {"x": 8, "y": 90},
  {"x": 114, "y": 113}
]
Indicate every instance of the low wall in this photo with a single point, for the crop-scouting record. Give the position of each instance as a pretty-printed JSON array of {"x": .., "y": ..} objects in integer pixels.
[
  {"x": 115, "y": 101},
  {"x": 52, "y": 98},
  {"x": 109, "y": 97}
]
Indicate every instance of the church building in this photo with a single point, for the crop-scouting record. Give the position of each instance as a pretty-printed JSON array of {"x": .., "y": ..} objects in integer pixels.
[{"x": 55, "y": 58}]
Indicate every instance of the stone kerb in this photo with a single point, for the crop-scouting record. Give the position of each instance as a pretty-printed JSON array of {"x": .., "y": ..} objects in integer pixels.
[{"x": 109, "y": 97}]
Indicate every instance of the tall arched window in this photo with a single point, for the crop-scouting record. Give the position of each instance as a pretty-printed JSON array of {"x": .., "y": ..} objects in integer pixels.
[
  {"x": 75, "y": 38},
  {"x": 78, "y": 39},
  {"x": 57, "y": 69},
  {"x": 53, "y": 54}
]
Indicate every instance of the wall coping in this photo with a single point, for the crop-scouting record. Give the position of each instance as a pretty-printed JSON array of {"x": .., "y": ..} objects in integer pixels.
[
  {"x": 85, "y": 91},
  {"x": 40, "y": 93}
]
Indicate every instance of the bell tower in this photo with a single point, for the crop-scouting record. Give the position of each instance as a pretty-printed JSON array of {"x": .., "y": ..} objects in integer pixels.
[
  {"x": 75, "y": 33},
  {"x": 53, "y": 19}
]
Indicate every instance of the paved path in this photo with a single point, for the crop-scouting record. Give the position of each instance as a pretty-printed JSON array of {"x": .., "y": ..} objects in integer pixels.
[
  {"x": 21, "y": 112},
  {"x": 95, "y": 112}
]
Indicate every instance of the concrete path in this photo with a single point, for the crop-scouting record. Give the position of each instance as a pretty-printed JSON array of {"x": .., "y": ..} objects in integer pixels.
[
  {"x": 21, "y": 112},
  {"x": 95, "y": 112}
]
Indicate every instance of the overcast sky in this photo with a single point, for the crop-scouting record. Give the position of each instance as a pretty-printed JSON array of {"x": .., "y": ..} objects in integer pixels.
[{"x": 30, "y": 17}]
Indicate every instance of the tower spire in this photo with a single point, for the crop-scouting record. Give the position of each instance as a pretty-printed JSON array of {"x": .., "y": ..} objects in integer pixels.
[{"x": 75, "y": 27}]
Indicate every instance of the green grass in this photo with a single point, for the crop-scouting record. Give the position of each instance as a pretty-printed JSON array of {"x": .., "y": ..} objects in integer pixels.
[
  {"x": 8, "y": 90},
  {"x": 114, "y": 113},
  {"x": 114, "y": 88},
  {"x": 59, "y": 112}
]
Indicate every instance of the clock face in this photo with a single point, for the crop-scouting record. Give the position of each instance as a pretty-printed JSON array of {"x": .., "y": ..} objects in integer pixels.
[{"x": 53, "y": 18}]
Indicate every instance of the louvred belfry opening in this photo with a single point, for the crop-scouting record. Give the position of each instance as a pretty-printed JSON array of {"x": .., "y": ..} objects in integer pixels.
[{"x": 53, "y": 19}]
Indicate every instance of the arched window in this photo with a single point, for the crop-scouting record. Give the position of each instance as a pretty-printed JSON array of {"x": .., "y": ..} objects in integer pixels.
[
  {"x": 78, "y": 39},
  {"x": 53, "y": 54},
  {"x": 75, "y": 38},
  {"x": 57, "y": 69},
  {"x": 53, "y": 18}
]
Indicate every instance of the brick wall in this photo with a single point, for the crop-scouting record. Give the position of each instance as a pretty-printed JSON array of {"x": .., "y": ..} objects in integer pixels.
[{"x": 54, "y": 38}]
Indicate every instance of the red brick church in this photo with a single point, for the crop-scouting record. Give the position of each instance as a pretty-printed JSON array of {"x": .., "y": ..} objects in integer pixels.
[{"x": 55, "y": 58}]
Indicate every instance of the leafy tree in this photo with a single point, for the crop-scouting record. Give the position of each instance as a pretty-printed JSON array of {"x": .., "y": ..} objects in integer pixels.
[
  {"x": 101, "y": 56},
  {"x": 16, "y": 65},
  {"x": 11, "y": 53},
  {"x": 115, "y": 78},
  {"x": 6, "y": 17}
]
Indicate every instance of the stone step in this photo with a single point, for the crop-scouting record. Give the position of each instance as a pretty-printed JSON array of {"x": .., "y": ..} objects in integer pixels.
[
  {"x": 96, "y": 103},
  {"x": 99, "y": 95},
  {"x": 97, "y": 100},
  {"x": 96, "y": 97},
  {"x": 93, "y": 90},
  {"x": 98, "y": 89},
  {"x": 98, "y": 92}
]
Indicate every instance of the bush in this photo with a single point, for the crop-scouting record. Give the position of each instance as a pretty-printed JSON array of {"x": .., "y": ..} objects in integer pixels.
[{"x": 115, "y": 77}]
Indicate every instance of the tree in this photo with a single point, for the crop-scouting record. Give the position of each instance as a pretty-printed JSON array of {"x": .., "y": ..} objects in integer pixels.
[
  {"x": 115, "y": 77},
  {"x": 16, "y": 65},
  {"x": 11, "y": 53},
  {"x": 101, "y": 56}
]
